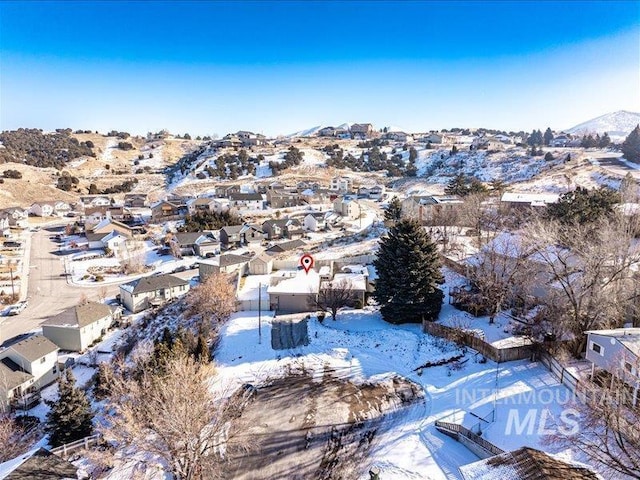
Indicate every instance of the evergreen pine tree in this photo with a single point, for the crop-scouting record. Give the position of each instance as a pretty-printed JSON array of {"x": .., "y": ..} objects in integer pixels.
[
  {"x": 70, "y": 417},
  {"x": 631, "y": 146},
  {"x": 408, "y": 269},
  {"x": 548, "y": 136},
  {"x": 457, "y": 186},
  {"x": 605, "y": 141},
  {"x": 393, "y": 212}
]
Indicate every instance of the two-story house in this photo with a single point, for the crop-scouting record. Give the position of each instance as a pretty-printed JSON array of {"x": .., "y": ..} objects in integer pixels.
[
  {"x": 341, "y": 184},
  {"x": 349, "y": 209},
  {"x": 154, "y": 290},
  {"x": 76, "y": 328},
  {"x": 238, "y": 235},
  {"x": 250, "y": 201},
  {"x": 283, "y": 228}
]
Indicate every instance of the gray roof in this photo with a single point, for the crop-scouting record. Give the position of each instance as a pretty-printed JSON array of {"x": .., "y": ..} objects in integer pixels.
[
  {"x": 80, "y": 315},
  {"x": 282, "y": 222},
  {"x": 11, "y": 376},
  {"x": 34, "y": 347},
  {"x": 156, "y": 282},
  {"x": 245, "y": 196},
  {"x": 41, "y": 464},
  {"x": 232, "y": 229},
  {"x": 231, "y": 259},
  {"x": 189, "y": 238},
  {"x": 285, "y": 246}
]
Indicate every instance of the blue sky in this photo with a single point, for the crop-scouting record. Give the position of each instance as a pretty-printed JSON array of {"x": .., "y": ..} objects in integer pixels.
[{"x": 277, "y": 67}]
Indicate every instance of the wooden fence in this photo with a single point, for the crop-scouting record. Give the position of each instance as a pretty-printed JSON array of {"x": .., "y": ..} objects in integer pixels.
[
  {"x": 468, "y": 339},
  {"x": 83, "y": 444},
  {"x": 456, "y": 431},
  {"x": 582, "y": 389}
]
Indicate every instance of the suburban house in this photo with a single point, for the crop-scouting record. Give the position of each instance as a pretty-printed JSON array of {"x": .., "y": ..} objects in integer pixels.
[
  {"x": 226, "y": 263},
  {"x": 526, "y": 464},
  {"x": 435, "y": 138},
  {"x": 223, "y": 191},
  {"x": 151, "y": 291},
  {"x": 283, "y": 199},
  {"x": 327, "y": 132},
  {"x": 361, "y": 130},
  {"x": 135, "y": 200},
  {"x": 374, "y": 193},
  {"x": 95, "y": 201},
  {"x": 314, "y": 222},
  {"x": 283, "y": 228},
  {"x": 250, "y": 139},
  {"x": 229, "y": 141},
  {"x": 114, "y": 241},
  {"x": 15, "y": 217},
  {"x": 251, "y": 201},
  {"x": 196, "y": 243},
  {"x": 355, "y": 282},
  {"x": 426, "y": 209},
  {"x": 39, "y": 463},
  {"x": 204, "y": 204},
  {"x": 29, "y": 365},
  {"x": 293, "y": 291},
  {"x": 526, "y": 200},
  {"x": 289, "y": 246},
  {"x": 397, "y": 136},
  {"x": 238, "y": 235},
  {"x": 347, "y": 208},
  {"x": 47, "y": 209},
  {"x": 78, "y": 327},
  {"x": 341, "y": 184},
  {"x": 616, "y": 351},
  {"x": 166, "y": 210}
]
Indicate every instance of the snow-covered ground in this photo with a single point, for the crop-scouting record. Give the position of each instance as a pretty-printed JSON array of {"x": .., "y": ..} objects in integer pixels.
[{"x": 360, "y": 346}]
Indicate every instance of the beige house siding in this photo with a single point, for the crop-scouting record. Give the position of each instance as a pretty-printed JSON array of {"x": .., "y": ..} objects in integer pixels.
[
  {"x": 290, "y": 302},
  {"x": 77, "y": 339}
]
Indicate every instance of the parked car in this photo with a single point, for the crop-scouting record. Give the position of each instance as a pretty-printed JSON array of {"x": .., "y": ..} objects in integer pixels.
[{"x": 17, "y": 308}]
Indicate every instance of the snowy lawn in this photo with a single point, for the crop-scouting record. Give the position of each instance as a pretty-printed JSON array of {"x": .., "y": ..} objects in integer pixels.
[{"x": 359, "y": 345}]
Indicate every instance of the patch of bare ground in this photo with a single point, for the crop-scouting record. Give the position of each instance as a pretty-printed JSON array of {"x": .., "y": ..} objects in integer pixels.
[
  {"x": 299, "y": 427},
  {"x": 36, "y": 184}
]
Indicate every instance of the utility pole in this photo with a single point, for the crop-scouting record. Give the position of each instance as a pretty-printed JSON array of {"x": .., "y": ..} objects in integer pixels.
[
  {"x": 13, "y": 292},
  {"x": 259, "y": 313}
]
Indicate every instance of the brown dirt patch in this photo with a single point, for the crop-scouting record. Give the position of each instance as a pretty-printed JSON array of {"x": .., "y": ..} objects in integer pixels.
[{"x": 298, "y": 428}]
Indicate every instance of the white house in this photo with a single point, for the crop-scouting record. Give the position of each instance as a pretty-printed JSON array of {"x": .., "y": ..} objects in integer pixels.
[
  {"x": 616, "y": 351},
  {"x": 523, "y": 199},
  {"x": 28, "y": 365},
  {"x": 314, "y": 222},
  {"x": 78, "y": 327},
  {"x": 250, "y": 201},
  {"x": 341, "y": 184},
  {"x": 347, "y": 208},
  {"x": 41, "y": 209}
]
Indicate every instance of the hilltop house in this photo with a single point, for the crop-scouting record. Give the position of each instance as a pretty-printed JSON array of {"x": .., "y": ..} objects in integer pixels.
[
  {"x": 341, "y": 184},
  {"x": 78, "y": 327},
  {"x": 151, "y": 291},
  {"x": 527, "y": 200},
  {"x": 361, "y": 130},
  {"x": 28, "y": 365}
]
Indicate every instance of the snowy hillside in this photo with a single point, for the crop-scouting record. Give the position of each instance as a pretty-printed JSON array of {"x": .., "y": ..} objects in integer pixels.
[{"x": 616, "y": 124}]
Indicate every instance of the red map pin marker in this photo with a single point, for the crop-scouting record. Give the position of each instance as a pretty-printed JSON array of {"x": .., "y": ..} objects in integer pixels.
[{"x": 306, "y": 261}]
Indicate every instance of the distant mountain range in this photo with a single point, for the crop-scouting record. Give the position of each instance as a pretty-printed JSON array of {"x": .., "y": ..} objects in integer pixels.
[{"x": 616, "y": 124}]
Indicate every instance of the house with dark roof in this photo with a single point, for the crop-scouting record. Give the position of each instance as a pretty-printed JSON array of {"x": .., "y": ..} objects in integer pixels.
[
  {"x": 279, "y": 198},
  {"x": 527, "y": 464},
  {"x": 151, "y": 291},
  {"x": 38, "y": 464},
  {"x": 78, "y": 327},
  {"x": 227, "y": 263},
  {"x": 282, "y": 228},
  {"x": 168, "y": 210},
  {"x": 238, "y": 235},
  {"x": 251, "y": 201},
  {"x": 282, "y": 247},
  {"x": 196, "y": 243},
  {"x": 135, "y": 200},
  {"x": 29, "y": 363}
]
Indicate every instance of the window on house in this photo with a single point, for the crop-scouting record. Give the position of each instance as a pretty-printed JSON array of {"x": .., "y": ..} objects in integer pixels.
[
  {"x": 628, "y": 367},
  {"x": 596, "y": 348},
  {"x": 42, "y": 360}
]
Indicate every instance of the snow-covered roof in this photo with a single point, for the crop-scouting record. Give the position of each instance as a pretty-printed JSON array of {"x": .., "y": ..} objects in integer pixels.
[
  {"x": 356, "y": 280},
  {"x": 535, "y": 199},
  {"x": 301, "y": 283},
  {"x": 629, "y": 337},
  {"x": 361, "y": 269}
]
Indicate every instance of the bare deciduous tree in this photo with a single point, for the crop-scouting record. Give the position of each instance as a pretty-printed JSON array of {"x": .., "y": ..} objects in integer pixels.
[
  {"x": 332, "y": 297},
  {"x": 14, "y": 438},
  {"x": 587, "y": 267},
  {"x": 214, "y": 299},
  {"x": 173, "y": 416},
  {"x": 131, "y": 256},
  {"x": 607, "y": 427},
  {"x": 174, "y": 246}
]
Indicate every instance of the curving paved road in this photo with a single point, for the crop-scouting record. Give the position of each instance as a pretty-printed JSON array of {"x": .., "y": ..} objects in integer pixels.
[{"x": 48, "y": 291}]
